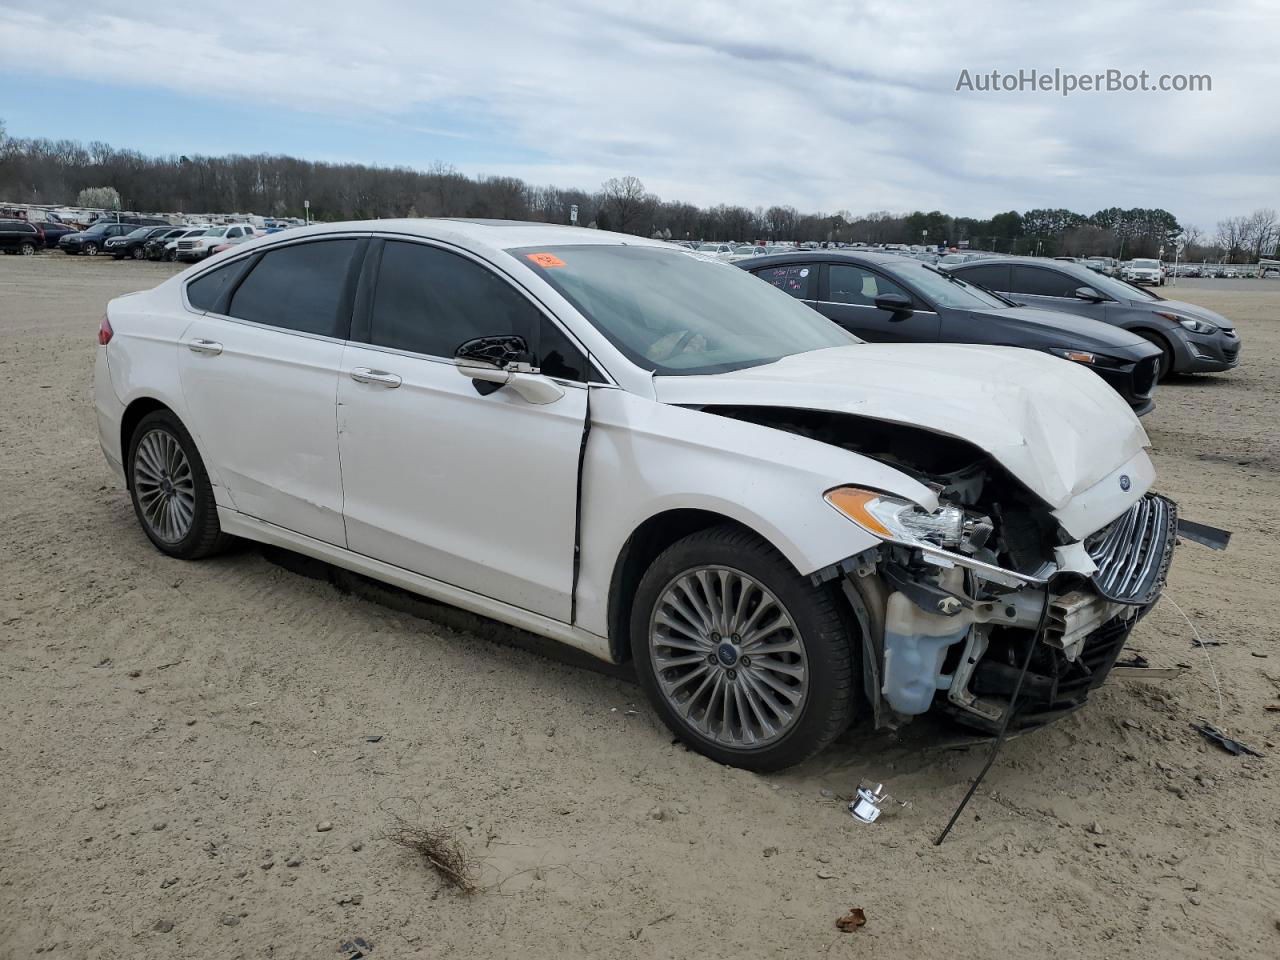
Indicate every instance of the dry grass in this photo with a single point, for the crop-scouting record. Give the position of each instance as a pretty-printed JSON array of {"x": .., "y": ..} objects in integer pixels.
[{"x": 440, "y": 848}]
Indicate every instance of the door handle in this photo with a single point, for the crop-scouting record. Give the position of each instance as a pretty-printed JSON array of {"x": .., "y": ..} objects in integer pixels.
[
  {"x": 381, "y": 377},
  {"x": 210, "y": 347}
]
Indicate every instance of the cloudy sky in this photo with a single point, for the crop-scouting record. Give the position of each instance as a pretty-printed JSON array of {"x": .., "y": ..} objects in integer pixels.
[{"x": 840, "y": 105}]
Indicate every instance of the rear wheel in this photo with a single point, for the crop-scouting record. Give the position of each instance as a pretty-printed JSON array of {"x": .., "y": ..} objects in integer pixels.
[
  {"x": 744, "y": 659},
  {"x": 28, "y": 249},
  {"x": 172, "y": 496}
]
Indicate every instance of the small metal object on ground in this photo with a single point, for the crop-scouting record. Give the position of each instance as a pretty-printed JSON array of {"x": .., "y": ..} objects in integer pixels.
[
  {"x": 865, "y": 806},
  {"x": 1214, "y": 735}
]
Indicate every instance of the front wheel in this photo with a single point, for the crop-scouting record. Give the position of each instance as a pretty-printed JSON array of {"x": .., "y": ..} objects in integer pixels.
[
  {"x": 90, "y": 249},
  {"x": 743, "y": 658},
  {"x": 1166, "y": 354},
  {"x": 170, "y": 256},
  {"x": 172, "y": 496},
  {"x": 138, "y": 253}
]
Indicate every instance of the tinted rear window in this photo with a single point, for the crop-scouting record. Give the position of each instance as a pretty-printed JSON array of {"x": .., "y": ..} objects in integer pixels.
[{"x": 299, "y": 287}]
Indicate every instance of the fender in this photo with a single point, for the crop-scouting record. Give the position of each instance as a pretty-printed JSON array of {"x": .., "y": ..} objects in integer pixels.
[{"x": 646, "y": 458}]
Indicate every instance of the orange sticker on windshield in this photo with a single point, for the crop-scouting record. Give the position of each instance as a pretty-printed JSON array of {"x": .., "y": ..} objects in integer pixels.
[{"x": 545, "y": 259}]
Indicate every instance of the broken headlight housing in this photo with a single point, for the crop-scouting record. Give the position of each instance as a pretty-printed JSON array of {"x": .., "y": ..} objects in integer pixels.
[{"x": 900, "y": 521}]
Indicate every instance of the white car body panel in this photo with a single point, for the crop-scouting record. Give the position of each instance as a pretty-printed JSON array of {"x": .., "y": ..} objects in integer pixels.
[
  {"x": 645, "y": 458},
  {"x": 1053, "y": 424},
  {"x": 479, "y": 491}
]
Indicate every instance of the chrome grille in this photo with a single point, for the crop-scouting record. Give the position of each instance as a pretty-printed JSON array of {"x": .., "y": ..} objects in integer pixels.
[
  {"x": 1133, "y": 553},
  {"x": 186, "y": 244}
]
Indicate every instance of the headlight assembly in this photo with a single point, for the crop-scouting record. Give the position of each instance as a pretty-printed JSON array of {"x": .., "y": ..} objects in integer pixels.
[
  {"x": 1193, "y": 324},
  {"x": 899, "y": 521}
]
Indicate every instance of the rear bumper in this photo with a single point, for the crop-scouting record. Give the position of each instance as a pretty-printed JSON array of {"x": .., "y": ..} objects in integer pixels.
[{"x": 110, "y": 414}]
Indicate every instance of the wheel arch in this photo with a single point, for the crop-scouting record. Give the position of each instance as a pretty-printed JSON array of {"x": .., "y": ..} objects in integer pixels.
[
  {"x": 638, "y": 552},
  {"x": 138, "y": 408}
]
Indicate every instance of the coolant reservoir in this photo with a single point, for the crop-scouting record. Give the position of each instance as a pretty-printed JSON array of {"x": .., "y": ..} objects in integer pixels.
[{"x": 915, "y": 645}]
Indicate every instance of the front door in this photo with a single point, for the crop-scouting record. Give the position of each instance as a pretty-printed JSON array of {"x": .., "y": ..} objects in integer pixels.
[
  {"x": 478, "y": 490},
  {"x": 849, "y": 298}
]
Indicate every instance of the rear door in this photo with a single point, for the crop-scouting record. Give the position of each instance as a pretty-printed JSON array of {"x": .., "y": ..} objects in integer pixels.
[
  {"x": 259, "y": 373},
  {"x": 478, "y": 490},
  {"x": 1051, "y": 289},
  {"x": 800, "y": 280},
  {"x": 848, "y": 295}
]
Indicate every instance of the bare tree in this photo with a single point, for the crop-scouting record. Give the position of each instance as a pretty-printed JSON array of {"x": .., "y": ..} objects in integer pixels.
[
  {"x": 1232, "y": 236},
  {"x": 624, "y": 200},
  {"x": 1262, "y": 231}
]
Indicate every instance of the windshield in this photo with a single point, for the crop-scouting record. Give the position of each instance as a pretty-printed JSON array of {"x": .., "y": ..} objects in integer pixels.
[
  {"x": 943, "y": 288},
  {"x": 677, "y": 313},
  {"x": 1146, "y": 264},
  {"x": 140, "y": 232}
]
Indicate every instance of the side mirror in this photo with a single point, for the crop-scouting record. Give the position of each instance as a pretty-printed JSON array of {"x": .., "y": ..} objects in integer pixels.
[
  {"x": 895, "y": 303},
  {"x": 1090, "y": 294},
  {"x": 494, "y": 362}
]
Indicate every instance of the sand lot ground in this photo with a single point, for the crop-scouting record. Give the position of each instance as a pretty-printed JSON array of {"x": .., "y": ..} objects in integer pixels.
[{"x": 171, "y": 735}]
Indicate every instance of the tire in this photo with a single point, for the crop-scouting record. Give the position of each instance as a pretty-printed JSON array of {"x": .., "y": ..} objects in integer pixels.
[
  {"x": 818, "y": 675},
  {"x": 170, "y": 256},
  {"x": 1166, "y": 353},
  {"x": 181, "y": 519},
  {"x": 138, "y": 253},
  {"x": 27, "y": 249},
  {"x": 89, "y": 249}
]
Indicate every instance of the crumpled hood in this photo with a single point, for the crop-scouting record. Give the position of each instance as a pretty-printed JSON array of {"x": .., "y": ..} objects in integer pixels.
[
  {"x": 1191, "y": 310},
  {"x": 1053, "y": 424}
]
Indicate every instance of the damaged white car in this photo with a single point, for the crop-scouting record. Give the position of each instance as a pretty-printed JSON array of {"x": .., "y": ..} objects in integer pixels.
[{"x": 652, "y": 457}]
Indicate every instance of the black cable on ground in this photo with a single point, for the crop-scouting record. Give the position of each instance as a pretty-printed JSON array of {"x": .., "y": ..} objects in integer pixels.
[{"x": 1004, "y": 724}]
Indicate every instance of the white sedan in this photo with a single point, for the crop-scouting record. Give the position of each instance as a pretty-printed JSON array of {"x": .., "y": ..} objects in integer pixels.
[{"x": 652, "y": 456}]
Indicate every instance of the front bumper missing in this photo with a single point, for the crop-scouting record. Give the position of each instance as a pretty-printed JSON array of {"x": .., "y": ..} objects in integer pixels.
[{"x": 968, "y": 622}]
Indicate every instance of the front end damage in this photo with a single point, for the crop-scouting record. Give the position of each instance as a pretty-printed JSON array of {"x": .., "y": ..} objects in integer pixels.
[
  {"x": 949, "y": 603},
  {"x": 951, "y": 629}
]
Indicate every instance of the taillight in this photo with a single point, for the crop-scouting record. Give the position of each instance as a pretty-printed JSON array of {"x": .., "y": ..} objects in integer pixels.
[{"x": 104, "y": 331}]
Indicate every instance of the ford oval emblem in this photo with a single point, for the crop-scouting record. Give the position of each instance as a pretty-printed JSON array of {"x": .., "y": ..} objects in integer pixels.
[{"x": 1124, "y": 481}]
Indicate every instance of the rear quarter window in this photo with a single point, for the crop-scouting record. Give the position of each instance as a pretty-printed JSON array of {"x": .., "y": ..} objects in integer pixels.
[{"x": 209, "y": 290}]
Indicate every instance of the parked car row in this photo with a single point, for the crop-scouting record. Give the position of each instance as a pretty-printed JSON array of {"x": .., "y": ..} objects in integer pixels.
[{"x": 125, "y": 239}]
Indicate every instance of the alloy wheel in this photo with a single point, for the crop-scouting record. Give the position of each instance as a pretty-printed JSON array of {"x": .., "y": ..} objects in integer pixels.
[
  {"x": 165, "y": 486},
  {"x": 728, "y": 657}
]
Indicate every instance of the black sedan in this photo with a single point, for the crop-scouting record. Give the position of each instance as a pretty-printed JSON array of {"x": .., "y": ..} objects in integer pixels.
[
  {"x": 1191, "y": 339},
  {"x": 881, "y": 297},
  {"x": 133, "y": 244}
]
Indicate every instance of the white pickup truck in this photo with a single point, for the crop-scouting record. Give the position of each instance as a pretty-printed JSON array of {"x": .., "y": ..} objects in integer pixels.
[{"x": 199, "y": 246}]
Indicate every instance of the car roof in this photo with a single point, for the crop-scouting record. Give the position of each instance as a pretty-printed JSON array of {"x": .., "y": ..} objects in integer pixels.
[
  {"x": 830, "y": 256},
  {"x": 499, "y": 234},
  {"x": 1076, "y": 269}
]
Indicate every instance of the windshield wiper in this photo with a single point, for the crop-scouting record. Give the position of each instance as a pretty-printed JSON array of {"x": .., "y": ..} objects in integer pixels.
[{"x": 943, "y": 273}]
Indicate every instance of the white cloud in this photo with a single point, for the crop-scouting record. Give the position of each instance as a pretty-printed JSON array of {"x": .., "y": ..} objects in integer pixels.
[{"x": 822, "y": 106}]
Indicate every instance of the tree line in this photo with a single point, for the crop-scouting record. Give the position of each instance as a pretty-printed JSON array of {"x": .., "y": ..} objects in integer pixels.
[{"x": 40, "y": 170}]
